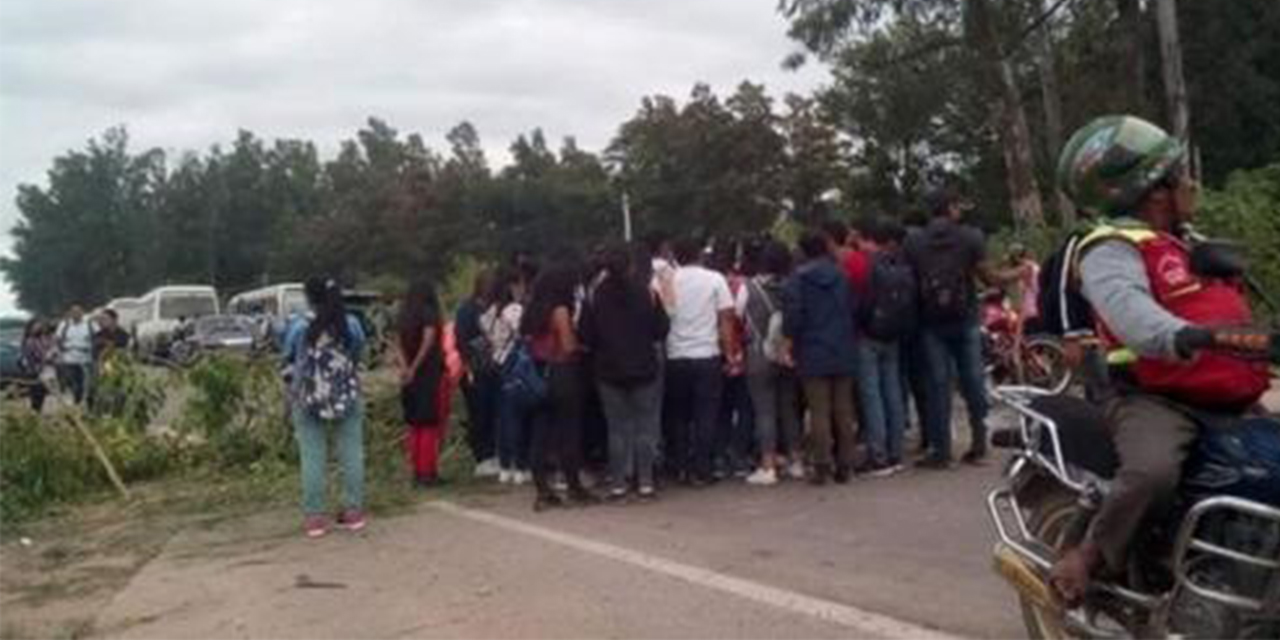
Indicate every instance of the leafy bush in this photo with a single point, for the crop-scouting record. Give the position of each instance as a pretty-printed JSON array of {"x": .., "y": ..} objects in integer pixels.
[
  {"x": 1248, "y": 210},
  {"x": 125, "y": 390}
]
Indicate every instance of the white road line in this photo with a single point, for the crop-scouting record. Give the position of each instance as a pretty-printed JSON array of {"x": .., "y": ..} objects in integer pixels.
[{"x": 865, "y": 623}]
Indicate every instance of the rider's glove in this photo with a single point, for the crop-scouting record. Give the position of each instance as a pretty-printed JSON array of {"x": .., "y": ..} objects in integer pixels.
[{"x": 1190, "y": 340}]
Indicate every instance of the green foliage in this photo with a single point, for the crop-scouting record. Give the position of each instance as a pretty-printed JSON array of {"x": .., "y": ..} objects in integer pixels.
[
  {"x": 42, "y": 464},
  {"x": 124, "y": 390},
  {"x": 1247, "y": 209}
]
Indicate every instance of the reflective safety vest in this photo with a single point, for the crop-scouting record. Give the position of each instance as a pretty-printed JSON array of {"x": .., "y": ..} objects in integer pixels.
[{"x": 1209, "y": 379}]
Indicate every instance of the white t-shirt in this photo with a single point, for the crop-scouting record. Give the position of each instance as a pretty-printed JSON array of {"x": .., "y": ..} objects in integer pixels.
[
  {"x": 700, "y": 295},
  {"x": 75, "y": 342}
]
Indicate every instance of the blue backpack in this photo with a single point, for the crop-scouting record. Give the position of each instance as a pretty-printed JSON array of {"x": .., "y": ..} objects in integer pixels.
[
  {"x": 330, "y": 385},
  {"x": 521, "y": 379}
]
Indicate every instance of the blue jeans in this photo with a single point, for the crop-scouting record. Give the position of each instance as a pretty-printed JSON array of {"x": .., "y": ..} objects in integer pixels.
[
  {"x": 312, "y": 435},
  {"x": 513, "y": 433},
  {"x": 961, "y": 343},
  {"x": 880, "y": 395}
]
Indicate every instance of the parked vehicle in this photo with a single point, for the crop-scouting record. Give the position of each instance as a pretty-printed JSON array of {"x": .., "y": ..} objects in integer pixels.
[
  {"x": 270, "y": 309},
  {"x": 10, "y": 350},
  {"x": 212, "y": 334},
  {"x": 1207, "y": 568},
  {"x": 155, "y": 318}
]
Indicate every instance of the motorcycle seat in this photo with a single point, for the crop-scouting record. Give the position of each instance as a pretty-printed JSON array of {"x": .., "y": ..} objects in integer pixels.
[{"x": 1082, "y": 433}]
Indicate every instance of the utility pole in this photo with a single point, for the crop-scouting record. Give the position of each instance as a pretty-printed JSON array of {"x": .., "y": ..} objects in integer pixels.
[
  {"x": 1052, "y": 98},
  {"x": 626, "y": 217},
  {"x": 1175, "y": 84}
]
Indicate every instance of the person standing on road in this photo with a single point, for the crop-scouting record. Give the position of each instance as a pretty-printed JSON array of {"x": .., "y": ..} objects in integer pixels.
[
  {"x": 948, "y": 256},
  {"x": 736, "y": 424},
  {"x": 322, "y": 354},
  {"x": 501, "y": 325},
  {"x": 620, "y": 325},
  {"x": 480, "y": 381},
  {"x": 75, "y": 354},
  {"x": 419, "y": 357},
  {"x": 818, "y": 318},
  {"x": 886, "y": 289},
  {"x": 557, "y": 423},
  {"x": 770, "y": 372},
  {"x": 699, "y": 347}
]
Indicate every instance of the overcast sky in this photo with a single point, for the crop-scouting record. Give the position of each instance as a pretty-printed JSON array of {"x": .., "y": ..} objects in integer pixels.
[{"x": 185, "y": 75}]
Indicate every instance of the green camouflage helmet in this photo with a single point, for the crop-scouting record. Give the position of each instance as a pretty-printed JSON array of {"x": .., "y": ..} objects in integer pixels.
[{"x": 1111, "y": 163}]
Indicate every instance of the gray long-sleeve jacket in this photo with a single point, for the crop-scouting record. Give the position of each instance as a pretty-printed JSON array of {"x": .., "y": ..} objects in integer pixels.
[{"x": 1114, "y": 281}]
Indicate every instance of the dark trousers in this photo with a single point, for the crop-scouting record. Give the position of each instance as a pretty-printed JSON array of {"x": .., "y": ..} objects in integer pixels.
[
  {"x": 915, "y": 373},
  {"x": 690, "y": 412},
  {"x": 557, "y": 428},
  {"x": 736, "y": 433},
  {"x": 480, "y": 393}
]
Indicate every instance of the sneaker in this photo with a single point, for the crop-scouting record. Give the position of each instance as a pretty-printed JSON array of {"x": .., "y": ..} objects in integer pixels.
[
  {"x": 819, "y": 476},
  {"x": 521, "y": 478},
  {"x": 647, "y": 494},
  {"x": 559, "y": 484},
  {"x": 796, "y": 470},
  {"x": 488, "y": 468},
  {"x": 763, "y": 477},
  {"x": 843, "y": 474},
  {"x": 975, "y": 457},
  {"x": 506, "y": 477},
  {"x": 884, "y": 470},
  {"x": 352, "y": 520},
  {"x": 617, "y": 495},
  {"x": 315, "y": 526}
]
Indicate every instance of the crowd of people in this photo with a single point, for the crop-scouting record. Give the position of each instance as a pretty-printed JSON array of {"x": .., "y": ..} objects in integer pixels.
[
  {"x": 67, "y": 354},
  {"x": 694, "y": 361}
]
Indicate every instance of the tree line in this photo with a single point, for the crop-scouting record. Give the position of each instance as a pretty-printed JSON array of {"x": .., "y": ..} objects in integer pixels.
[{"x": 975, "y": 93}]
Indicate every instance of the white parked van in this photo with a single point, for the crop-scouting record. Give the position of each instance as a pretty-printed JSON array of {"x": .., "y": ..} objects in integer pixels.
[
  {"x": 270, "y": 309},
  {"x": 161, "y": 312}
]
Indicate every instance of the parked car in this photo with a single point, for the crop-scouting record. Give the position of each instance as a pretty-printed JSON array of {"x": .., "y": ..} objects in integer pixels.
[
  {"x": 10, "y": 350},
  {"x": 211, "y": 334}
]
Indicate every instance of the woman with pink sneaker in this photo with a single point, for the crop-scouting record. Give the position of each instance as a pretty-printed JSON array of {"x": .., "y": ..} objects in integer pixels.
[{"x": 322, "y": 356}]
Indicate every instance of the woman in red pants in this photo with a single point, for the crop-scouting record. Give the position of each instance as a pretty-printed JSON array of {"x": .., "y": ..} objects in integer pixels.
[{"x": 424, "y": 388}]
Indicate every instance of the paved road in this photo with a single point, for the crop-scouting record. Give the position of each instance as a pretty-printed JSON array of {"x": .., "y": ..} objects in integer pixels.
[
  {"x": 895, "y": 557},
  {"x": 903, "y": 557}
]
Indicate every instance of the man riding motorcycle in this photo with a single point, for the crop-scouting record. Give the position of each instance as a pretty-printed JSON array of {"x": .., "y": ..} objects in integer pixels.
[{"x": 1177, "y": 339}]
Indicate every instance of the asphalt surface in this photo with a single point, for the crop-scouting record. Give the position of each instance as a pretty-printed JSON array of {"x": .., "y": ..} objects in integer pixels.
[
  {"x": 889, "y": 557},
  {"x": 905, "y": 556}
]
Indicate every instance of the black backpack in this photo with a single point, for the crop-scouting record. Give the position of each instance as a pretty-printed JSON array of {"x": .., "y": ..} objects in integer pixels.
[
  {"x": 892, "y": 306},
  {"x": 946, "y": 285},
  {"x": 1063, "y": 310}
]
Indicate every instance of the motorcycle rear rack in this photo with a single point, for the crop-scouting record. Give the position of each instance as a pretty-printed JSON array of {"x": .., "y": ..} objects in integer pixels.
[
  {"x": 1019, "y": 399},
  {"x": 1189, "y": 548}
]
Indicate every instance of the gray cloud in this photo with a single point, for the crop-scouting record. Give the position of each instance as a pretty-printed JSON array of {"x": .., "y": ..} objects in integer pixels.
[{"x": 185, "y": 75}]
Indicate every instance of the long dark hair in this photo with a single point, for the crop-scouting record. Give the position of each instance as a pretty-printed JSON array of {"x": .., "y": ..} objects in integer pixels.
[
  {"x": 554, "y": 287},
  {"x": 324, "y": 296},
  {"x": 420, "y": 306}
]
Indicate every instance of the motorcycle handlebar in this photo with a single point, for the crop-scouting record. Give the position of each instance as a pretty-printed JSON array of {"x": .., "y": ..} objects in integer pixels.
[{"x": 1246, "y": 343}]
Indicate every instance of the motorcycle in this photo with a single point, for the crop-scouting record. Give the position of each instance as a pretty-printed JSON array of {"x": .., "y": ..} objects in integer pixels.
[
  {"x": 1010, "y": 357},
  {"x": 1208, "y": 568}
]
